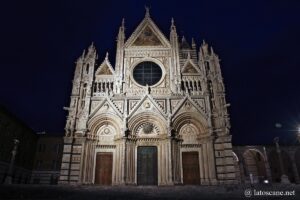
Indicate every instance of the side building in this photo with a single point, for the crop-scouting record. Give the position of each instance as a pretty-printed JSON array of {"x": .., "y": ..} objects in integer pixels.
[
  {"x": 258, "y": 163},
  {"x": 12, "y": 128},
  {"x": 47, "y": 161}
]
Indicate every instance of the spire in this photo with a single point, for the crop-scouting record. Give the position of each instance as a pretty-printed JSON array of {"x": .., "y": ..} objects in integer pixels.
[
  {"x": 173, "y": 27},
  {"x": 193, "y": 44},
  {"x": 106, "y": 56},
  {"x": 188, "y": 56},
  {"x": 121, "y": 30},
  {"x": 122, "y": 27},
  {"x": 184, "y": 43},
  {"x": 212, "y": 51},
  {"x": 172, "y": 23},
  {"x": 147, "y": 14},
  {"x": 200, "y": 54},
  {"x": 204, "y": 48},
  {"x": 91, "y": 51},
  {"x": 123, "y": 22},
  {"x": 83, "y": 53},
  {"x": 91, "y": 47}
]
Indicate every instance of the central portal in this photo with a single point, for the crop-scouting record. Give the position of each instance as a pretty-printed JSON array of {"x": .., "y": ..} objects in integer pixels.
[{"x": 147, "y": 166}]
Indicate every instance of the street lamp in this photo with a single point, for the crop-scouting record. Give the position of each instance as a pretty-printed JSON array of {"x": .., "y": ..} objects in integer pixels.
[{"x": 8, "y": 178}]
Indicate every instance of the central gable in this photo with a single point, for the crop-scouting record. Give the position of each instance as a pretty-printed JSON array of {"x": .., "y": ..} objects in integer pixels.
[
  {"x": 147, "y": 38},
  {"x": 147, "y": 34}
]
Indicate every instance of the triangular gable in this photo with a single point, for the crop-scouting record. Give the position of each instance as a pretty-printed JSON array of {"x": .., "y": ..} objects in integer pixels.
[
  {"x": 106, "y": 106},
  {"x": 190, "y": 68},
  {"x": 105, "y": 69},
  {"x": 147, "y": 103},
  {"x": 147, "y": 34},
  {"x": 147, "y": 38},
  {"x": 188, "y": 105}
]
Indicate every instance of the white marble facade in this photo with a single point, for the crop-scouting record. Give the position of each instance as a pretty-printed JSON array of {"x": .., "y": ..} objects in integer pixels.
[{"x": 182, "y": 110}]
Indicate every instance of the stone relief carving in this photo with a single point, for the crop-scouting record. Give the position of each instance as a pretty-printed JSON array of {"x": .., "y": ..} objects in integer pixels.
[{"x": 147, "y": 129}]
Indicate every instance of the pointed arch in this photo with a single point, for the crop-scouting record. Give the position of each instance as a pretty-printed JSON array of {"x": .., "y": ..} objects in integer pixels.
[
  {"x": 193, "y": 118},
  {"x": 254, "y": 161},
  {"x": 95, "y": 123}
]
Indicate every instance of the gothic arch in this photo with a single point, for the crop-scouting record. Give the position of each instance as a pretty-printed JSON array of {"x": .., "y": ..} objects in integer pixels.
[
  {"x": 97, "y": 123},
  {"x": 155, "y": 122},
  {"x": 190, "y": 118},
  {"x": 254, "y": 162}
]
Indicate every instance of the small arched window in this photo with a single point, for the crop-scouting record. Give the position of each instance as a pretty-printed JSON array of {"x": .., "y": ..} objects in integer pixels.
[{"x": 206, "y": 67}]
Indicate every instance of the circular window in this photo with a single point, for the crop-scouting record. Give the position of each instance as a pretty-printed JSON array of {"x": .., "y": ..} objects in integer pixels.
[{"x": 147, "y": 73}]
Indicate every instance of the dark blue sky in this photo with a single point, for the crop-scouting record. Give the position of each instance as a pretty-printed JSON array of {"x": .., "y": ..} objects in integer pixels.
[{"x": 257, "y": 41}]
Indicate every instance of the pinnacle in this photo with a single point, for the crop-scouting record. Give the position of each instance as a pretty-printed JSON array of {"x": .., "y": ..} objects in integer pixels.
[{"x": 147, "y": 14}]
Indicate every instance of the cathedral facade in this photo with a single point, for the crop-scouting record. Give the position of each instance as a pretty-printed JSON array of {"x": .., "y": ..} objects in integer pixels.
[{"x": 158, "y": 117}]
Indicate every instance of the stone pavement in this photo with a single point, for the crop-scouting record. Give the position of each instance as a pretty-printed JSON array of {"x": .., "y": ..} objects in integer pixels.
[{"x": 140, "y": 192}]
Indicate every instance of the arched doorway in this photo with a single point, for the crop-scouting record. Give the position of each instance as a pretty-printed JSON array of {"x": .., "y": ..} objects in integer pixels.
[{"x": 254, "y": 162}]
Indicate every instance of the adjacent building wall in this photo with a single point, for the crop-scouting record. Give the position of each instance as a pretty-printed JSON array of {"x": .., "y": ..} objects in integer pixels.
[{"x": 13, "y": 128}]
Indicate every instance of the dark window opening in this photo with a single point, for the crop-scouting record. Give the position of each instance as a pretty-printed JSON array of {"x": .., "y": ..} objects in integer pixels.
[{"x": 87, "y": 68}]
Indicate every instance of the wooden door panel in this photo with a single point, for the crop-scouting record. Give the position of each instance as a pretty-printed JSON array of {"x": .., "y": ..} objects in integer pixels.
[
  {"x": 147, "y": 166},
  {"x": 190, "y": 167},
  {"x": 103, "y": 171}
]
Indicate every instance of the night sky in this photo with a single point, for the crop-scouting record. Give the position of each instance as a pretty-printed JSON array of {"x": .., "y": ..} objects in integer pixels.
[{"x": 257, "y": 41}]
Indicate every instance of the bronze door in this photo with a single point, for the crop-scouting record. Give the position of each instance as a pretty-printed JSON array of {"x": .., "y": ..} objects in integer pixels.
[
  {"x": 147, "y": 166},
  {"x": 190, "y": 166},
  {"x": 103, "y": 171}
]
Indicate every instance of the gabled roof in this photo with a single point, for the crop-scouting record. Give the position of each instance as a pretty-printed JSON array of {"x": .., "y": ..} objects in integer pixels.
[
  {"x": 147, "y": 34},
  {"x": 105, "y": 68},
  {"x": 189, "y": 67},
  {"x": 192, "y": 104},
  {"x": 110, "y": 109},
  {"x": 148, "y": 98}
]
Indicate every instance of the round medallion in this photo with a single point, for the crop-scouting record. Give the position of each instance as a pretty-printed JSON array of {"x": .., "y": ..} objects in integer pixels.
[
  {"x": 148, "y": 128},
  {"x": 188, "y": 129},
  {"x": 106, "y": 131}
]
